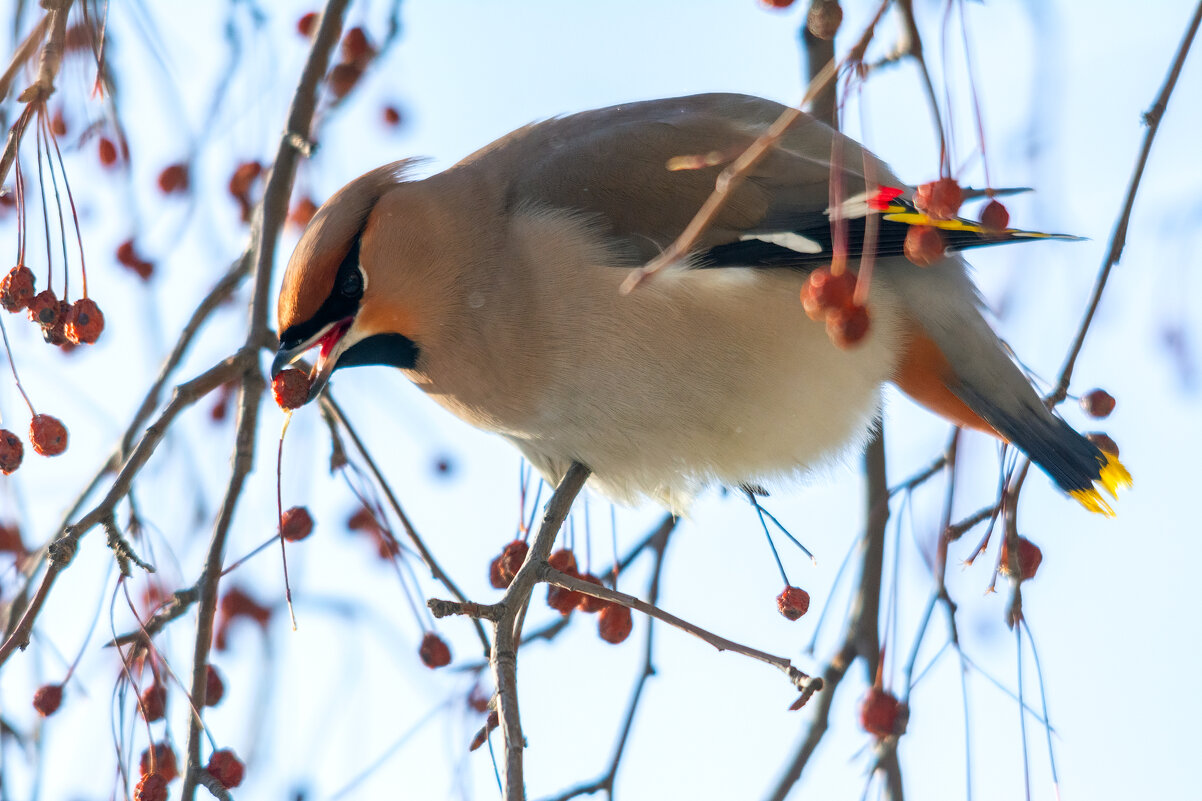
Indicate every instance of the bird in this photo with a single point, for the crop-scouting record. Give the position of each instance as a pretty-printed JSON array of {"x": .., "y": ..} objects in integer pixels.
[{"x": 496, "y": 286}]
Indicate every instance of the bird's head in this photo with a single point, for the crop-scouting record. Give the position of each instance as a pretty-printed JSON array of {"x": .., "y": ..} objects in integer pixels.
[{"x": 336, "y": 291}]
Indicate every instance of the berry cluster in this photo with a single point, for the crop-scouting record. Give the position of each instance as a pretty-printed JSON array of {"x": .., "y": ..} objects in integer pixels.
[{"x": 830, "y": 297}]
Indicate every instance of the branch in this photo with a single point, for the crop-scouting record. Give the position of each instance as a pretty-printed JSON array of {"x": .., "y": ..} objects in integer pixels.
[
  {"x": 1118, "y": 239},
  {"x": 508, "y": 627}
]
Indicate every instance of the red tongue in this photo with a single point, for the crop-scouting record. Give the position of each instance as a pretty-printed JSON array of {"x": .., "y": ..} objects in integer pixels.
[{"x": 331, "y": 339}]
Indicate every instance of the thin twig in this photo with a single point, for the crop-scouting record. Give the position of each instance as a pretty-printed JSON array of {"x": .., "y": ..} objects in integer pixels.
[{"x": 1118, "y": 239}]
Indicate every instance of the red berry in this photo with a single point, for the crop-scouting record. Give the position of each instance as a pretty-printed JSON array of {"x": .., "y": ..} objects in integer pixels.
[
  {"x": 107, "y": 151},
  {"x": 226, "y": 768},
  {"x": 1097, "y": 403},
  {"x": 151, "y": 787},
  {"x": 1029, "y": 559},
  {"x": 357, "y": 48},
  {"x": 563, "y": 560},
  {"x": 362, "y": 520},
  {"x": 391, "y": 115},
  {"x": 343, "y": 78},
  {"x": 174, "y": 178},
  {"x": 243, "y": 179},
  {"x": 58, "y": 125},
  {"x": 940, "y": 199},
  {"x": 17, "y": 288},
  {"x": 994, "y": 217},
  {"x": 495, "y": 579},
  {"x": 291, "y": 388},
  {"x": 127, "y": 256},
  {"x": 10, "y": 540},
  {"x": 214, "y": 686},
  {"x": 824, "y": 19},
  {"x": 588, "y": 603},
  {"x": 1104, "y": 443},
  {"x": 165, "y": 765},
  {"x": 302, "y": 212},
  {"x": 848, "y": 325},
  {"x": 154, "y": 702},
  {"x": 878, "y": 712},
  {"x": 47, "y": 435},
  {"x": 56, "y": 333},
  {"x": 793, "y": 602},
  {"x": 12, "y": 451},
  {"x": 307, "y": 25},
  {"x": 44, "y": 308},
  {"x": 615, "y": 623},
  {"x": 47, "y": 699},
  {"x": 825, "y": 292},
  {"x": 433, "y": 651},
  {"x": 84, "y": 322},
  {"x": 923, "y": 245},
  {"x": 296, "y": 524},
  {"x": 512, "y": 558},
  {"x": 776, "y": 3},
  {"x": 562, "y": 600}
]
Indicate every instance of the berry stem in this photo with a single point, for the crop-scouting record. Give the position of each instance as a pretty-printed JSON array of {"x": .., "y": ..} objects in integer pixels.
[
  {"x": 44, "y": 135},
  {"x": 83, "y": 269},
  {"x": 279, "y": 505},
  {"x": 13, "y": 365}
]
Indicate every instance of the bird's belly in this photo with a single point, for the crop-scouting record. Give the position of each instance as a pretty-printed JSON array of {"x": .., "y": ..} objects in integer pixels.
[{"x": 699, "y": 377}]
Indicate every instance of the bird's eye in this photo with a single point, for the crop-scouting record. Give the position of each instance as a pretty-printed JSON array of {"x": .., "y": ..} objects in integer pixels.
[{"x": 352, "y": 284}]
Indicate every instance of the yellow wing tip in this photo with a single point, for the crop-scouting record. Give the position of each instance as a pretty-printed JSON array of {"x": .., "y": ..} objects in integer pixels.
[{"x": 1111, "y": 477}]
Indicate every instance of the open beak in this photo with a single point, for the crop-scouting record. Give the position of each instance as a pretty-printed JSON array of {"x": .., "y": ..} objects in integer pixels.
[{"x": 331, "y": 343}]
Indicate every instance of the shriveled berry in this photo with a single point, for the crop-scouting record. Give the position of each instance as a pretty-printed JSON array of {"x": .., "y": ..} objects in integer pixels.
[
  {"x": 154, "y": 702},
  {"x": 44, "y": 308},
  {"x": 296, "y": 524},
  {"x": 107, "y": 151},
  {"x": 302, "y": 212},
  {"x": 56, "y": 332},
  {"x": 244, "y": 177},
  {"x": 495, "y": 579},
  {"x": 214, "y": 686},
  {"x": 226, "y": 768},
  {"x": 776, "y": 3},
  {"x": 58, "y": 124},
  {"x": 362, "y": 520},
  {"x": 1097, "y": 403},
  {"x": 357, "y": 48},
  {"x": 793, "y": 602},
  {"x": 84, "y": 322},
  {"x": 940, "y": 199},
  {"x": 174, "y": 178},
  {"x": 848, "y": 325},
  {"x": 588, "y": 603},
  {"x": 1103, "y": 442},
  {"x": 563, "y": 560},
  {"x": 10, "y": 540},
  {"x": 12, "y": 451},
  {"x": 164, "y": 762},
  {"x": 1029, "y": 559},
  {"x": 17, "y": 288},
  {"x": 433, "y": 651},
  {"x": 47, "y": 435},
  {"x": 878, "y": 712},
  {"x": 924, "y": 245},
  {"x": 824, "y": 19},
  {"x": 47, "y": 699},
  {"x": 825, "y": 292},
  {"x": 291, "y": 388},
  {"x": 343, "y": 78},
  {"x": 562, "y": 600},
  {"x": 307, "y": 25},
  {"x": 512, "y": 558},
  {"x": 615, "y": 623},
  {"x": 165, "y": 765},
  {"x": 994, "y": 217},
  {"x": 151, "y": 787}
]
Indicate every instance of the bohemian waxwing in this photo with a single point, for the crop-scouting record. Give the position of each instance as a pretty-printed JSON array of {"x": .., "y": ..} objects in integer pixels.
[{"x": 494, "y": 286}]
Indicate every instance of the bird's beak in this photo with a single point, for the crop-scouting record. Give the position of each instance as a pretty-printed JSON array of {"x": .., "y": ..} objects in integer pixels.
[{"x": 331, "y": 342}]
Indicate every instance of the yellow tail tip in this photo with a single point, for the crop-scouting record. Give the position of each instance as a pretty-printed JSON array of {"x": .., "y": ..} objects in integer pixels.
[{"x": 1111, "y": 476}]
